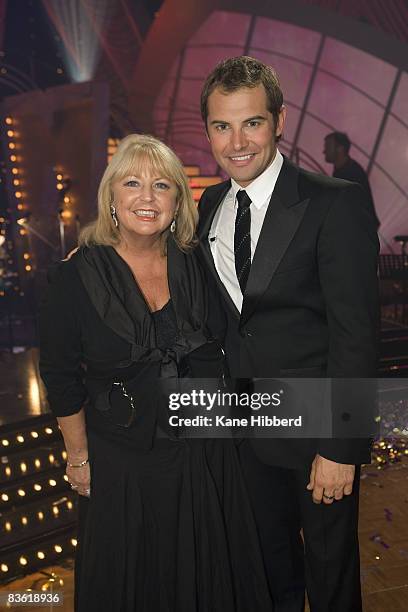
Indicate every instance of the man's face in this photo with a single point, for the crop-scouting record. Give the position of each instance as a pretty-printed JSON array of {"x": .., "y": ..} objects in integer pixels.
[
  {"x": 329, "y": 150},
  {"x": 242, "y": 133}
]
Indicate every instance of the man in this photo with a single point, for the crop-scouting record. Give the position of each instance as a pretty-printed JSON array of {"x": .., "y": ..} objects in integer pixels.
[
  {"x": 336, "y": 152},
  {"x": 294, "y": 256}
]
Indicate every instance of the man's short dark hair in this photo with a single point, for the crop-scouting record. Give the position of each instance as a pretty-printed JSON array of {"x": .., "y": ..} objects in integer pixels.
[
  {"x": 243, "y": 71},
  {"x": 341, "y": 139}
]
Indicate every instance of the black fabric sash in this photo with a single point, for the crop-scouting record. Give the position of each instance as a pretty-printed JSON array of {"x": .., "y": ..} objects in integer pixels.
[{"x": 119, "y": 302}]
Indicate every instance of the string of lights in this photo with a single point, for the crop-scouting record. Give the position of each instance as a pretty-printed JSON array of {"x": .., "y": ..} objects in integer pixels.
[{"x": 9, "y": 266}]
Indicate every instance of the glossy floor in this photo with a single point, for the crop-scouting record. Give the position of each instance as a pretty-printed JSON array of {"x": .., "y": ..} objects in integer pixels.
[{"x": 383, "y": 544}]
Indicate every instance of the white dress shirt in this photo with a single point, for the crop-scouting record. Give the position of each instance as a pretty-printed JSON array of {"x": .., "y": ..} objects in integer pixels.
[{"x": 221, "y": 234}]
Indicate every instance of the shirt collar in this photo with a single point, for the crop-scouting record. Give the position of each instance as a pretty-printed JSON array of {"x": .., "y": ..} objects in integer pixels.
[{"x": 260, "y": 190}]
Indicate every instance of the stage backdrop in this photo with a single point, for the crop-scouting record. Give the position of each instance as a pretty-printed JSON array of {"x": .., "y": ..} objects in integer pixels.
[
  {"x": 337, "y": 73},
  {"x": 55, "y": 144}
]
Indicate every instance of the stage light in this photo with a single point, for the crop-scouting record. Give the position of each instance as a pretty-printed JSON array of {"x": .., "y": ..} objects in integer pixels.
[
  {"x": 37, "y": 463},
  {"x": 21, "y": 492},
  {"x": 22, "y": 221},
  {"x": 79, "y": 26},
  {"x": 8, "y": 526},
  {"x": 4, "y": 497},
  {"x": 28, "y": 268},
  {"x": 10, "y": 133},
  {"x": 60, "y": 186},
  {"x": 5, "y": 442},
  {"x": 23, "y": 561},
  {"x": 4, "y": 567},
  {"x": 14, "y": 170},
  {"x": 40, "y": 555},
  {"x": 8, "y": 471},
  {"x": 48, "y": 430},
  {"x": 52, "y": 482},
  {"x": 16, "y": 182},
  {"x": 37, "y": 487},
  {"x": 55, "y": 510},
  {"x": 66, "y": 200},
  {"x": 58, "y": 548},
  {"x": 18, "y": 194},
  {"x": 74, "y": 542},
  {"x": 11, "y": 145},
  {"x": 34, "y": 434},
  {"x": 51, "y": 458},
  {"x": 40, "y": 515},
  {"x": 59, "y": 177},
  {"x": 24, "y": 520},
  {"x": 23, "y": 466},
  {"x": 13, "y": 158},
  {"x": 8, "y": 120},
  {"x": 27, "y": 256}
]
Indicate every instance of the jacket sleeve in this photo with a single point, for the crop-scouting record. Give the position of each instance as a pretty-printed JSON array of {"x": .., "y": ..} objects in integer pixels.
[
  {"x": 60, "y": 342},
  {"x": 348, "y": 250}
]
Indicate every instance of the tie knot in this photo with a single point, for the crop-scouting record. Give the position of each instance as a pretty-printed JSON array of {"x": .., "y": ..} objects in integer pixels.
[{"x": 244, "y": 201}]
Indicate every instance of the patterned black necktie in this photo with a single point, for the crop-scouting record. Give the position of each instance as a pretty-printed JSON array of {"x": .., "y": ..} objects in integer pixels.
[{"x": 242, "y": 238}]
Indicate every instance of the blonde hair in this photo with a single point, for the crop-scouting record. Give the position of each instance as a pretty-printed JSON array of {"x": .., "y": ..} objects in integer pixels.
[{"x": 135, "y": 153}]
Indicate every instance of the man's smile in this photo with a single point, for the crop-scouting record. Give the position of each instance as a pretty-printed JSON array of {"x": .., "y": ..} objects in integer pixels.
[{"x": 241, "y": 159}]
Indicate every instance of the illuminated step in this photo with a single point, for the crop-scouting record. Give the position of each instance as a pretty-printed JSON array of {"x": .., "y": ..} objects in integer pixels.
[
  {"x": 204, "y": 181},
  {"x": 32, "y": 461},
  {"x": 19, "y": 492},
  {"x": 36, "y": 518},
  {"x": 41, "y": 551},
  {"x": 192, "y": 170},
  {"x": 197, "y": 193},
  {"x": 27, "y": 434}
]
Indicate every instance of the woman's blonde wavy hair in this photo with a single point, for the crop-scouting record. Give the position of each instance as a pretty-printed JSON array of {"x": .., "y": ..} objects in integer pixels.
[{"x": 134, "y": 154}]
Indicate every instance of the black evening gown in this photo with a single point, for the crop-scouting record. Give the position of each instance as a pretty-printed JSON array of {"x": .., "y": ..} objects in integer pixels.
[{"x": 168, "y": 527}]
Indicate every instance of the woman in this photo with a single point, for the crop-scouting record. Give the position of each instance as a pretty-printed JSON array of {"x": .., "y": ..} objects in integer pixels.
[{"x": 164, "y": 522}]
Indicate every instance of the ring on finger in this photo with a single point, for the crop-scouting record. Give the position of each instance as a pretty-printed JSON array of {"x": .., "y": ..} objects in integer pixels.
[{"x": 330, "y": 497}]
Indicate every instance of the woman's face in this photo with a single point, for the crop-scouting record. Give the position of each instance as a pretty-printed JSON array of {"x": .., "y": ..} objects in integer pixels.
[{"x": 145, "y": 204}]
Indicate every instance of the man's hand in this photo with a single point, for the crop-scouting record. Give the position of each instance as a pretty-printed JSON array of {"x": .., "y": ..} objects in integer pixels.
[{"x": 329, "y": 480}]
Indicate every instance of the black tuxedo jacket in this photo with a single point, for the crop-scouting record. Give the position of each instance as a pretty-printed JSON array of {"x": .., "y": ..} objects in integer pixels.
[{"x": 311, "y": 306}]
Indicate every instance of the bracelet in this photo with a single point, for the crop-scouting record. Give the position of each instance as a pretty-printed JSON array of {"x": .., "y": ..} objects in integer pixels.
[{"x": 77, "y": 465}]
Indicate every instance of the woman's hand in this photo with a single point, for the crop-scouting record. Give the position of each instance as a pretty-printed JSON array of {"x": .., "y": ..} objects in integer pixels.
[
  {"x": 73, "y": 430},
  {"x": 80, "y": 479}
]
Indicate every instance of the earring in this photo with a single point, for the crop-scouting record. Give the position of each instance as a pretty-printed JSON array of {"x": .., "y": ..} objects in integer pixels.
[
  {"x": 173, "y": 226},
  {"x": 113, "y": 215}
]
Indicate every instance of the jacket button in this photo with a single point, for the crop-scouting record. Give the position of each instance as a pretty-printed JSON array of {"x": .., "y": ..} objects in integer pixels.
[{"x": 245, "y": 334}]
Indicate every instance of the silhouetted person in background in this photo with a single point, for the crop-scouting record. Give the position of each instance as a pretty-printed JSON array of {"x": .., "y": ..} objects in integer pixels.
[{"x": 336, "y": 152}]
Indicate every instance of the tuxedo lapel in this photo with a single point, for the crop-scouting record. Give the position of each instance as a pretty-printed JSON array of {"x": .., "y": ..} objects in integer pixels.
[
  {"x": 282, "y": 219},
  {"x": 207, "y": 212}
]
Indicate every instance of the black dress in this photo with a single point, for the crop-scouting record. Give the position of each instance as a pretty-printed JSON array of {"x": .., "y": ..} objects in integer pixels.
[{"x": 168, "y": 526}]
